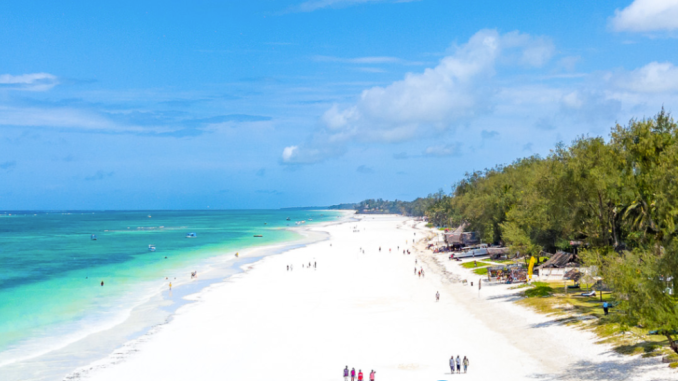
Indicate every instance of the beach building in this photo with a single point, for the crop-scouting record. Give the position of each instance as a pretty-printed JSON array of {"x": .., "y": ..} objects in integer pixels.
[
  {"x": 498, "y": 252},
  {"x": 560, "y": 264},
  {"x": 516, "y": 272},
  {"x": 460, "y": 238}
]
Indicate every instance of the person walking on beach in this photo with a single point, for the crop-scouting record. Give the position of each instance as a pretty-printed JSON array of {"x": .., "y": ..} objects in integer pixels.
[
  {"x": 437, "y": 296},
  {"x": 465, "y": 363},
  {"x": 352, "y": 374},
  {"x": 452, "y": 364},
  {"x": 458, "y": 364},
  {"x": 346, "y": 373},
  {"x": 360, "y": 375},
  {"x": 372, "y": 374}
]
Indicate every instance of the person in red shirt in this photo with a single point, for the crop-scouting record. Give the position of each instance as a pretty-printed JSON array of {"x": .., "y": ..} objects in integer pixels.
[
  {"x": 360, "y": 375},
  {"x": 372, "y": 373}
]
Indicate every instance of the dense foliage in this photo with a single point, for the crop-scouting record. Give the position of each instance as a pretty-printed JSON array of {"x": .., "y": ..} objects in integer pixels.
[
  {"x": 620, "y": 197},
  {"x": 416, "y": 208}
]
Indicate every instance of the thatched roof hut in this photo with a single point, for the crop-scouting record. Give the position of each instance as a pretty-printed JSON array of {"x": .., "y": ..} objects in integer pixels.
[
  {"x": 573, "y": 274},
  {"x": 560, "y": 260},
  {"x": 497, "y": 252}
]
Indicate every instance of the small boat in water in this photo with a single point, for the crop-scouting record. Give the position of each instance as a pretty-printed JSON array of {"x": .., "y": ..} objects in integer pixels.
[
  {"x": 151, "y": 248},
  {"x": 288, "y": 218},
  {"x": 93, "y": 237},
  {"x": 191, "y": 235},
  {"x": 258, "y": 235}
]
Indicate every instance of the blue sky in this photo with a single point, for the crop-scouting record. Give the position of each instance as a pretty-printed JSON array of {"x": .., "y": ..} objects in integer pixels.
[{"x": 274, "y": 103}]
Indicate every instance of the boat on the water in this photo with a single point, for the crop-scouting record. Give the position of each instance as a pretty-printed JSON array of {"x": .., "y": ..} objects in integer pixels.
[
  {"x": 288, "y": 218},
  {"x": 151, "y": 248},
  {"x": 258, "y": 235},
  {"x": 93, "y": 237},
  {"x": 191, "y": 235}
]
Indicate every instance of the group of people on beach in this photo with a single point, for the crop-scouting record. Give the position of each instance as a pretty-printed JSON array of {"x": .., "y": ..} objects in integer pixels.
[
  {"x": 303, "y": 265},
  {"x": 357, "y": 376},
  {"x": 458, "y": 363}
]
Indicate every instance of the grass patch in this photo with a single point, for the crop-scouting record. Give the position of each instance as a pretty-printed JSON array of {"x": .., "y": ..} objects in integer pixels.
[
  {"x": 481, "y": 271},
  {"x": 587, "y": 313},
  {"x": 524, "y": 285},
  {"x": 539, "y": 289},
  {"x": 471, "y": 265}
]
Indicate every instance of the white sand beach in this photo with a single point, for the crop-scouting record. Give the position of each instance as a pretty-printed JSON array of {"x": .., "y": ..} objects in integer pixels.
[{"x": 367, "y": 311}]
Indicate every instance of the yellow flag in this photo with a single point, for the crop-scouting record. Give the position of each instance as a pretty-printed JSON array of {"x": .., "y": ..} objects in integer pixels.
[{"x": 531, "y": 267}]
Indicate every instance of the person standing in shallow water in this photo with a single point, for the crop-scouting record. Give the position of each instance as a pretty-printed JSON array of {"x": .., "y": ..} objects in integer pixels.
[{"x": 102, "y": 283}]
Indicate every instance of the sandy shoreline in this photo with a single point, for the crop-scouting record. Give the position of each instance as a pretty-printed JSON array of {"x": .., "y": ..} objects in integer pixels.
[
  {"x": 139, "y": 320},
  {"x": 367, "y": 311}
]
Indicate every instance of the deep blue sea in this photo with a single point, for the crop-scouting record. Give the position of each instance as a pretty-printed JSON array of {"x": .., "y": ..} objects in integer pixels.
[{"x": 51, "y": 270}]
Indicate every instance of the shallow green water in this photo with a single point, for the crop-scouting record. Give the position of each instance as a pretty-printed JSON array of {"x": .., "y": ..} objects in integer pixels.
[{"x": 50, "y": 269}]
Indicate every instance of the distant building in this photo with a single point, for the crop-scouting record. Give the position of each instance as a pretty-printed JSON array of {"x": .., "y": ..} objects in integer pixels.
[{"x": 460, "y": 238}]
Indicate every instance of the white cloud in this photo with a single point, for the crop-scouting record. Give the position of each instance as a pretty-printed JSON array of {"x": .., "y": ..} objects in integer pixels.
[
  {"x": 288, "y": 153},
  {"x": 655, "y": 77},
  {"x": 647, "y": 16},
  {"x": 457, "y": 89},
  {"x": 28, "y": 82},
  {"x": 590, "y": 106}
]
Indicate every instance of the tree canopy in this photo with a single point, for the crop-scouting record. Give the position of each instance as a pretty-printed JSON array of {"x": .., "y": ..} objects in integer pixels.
[{"x": 618, "y": 196}]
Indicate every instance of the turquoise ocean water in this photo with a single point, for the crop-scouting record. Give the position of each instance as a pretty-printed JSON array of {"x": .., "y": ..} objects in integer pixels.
[{"x": 51, "y": 269}]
